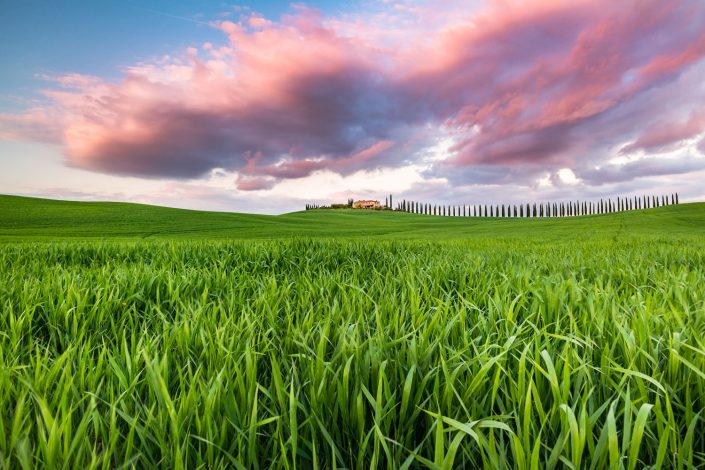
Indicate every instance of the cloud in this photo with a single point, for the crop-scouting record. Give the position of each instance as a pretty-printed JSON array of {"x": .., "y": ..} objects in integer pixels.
[
  {"x": 526, "y": 90},
  {"x": 666, "y": 133},
  {"x": 644, "y": 167}
]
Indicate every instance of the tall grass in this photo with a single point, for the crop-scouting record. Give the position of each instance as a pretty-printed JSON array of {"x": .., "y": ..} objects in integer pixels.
[{"x": 313, "y": 354}]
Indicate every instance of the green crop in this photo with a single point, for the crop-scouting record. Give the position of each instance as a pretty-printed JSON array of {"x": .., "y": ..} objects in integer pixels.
[{"x": 572, "y": 353}]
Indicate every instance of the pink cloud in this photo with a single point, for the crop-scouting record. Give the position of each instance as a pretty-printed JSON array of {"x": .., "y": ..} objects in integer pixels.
[
  {"x": 520, "y": 84},
  {"x": 667, "y": 133}
]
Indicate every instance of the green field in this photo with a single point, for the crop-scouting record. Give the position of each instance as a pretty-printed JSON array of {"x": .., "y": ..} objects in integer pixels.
[
  {"x": 23, "y": 219},
  {"x": 137, "y": 336}
]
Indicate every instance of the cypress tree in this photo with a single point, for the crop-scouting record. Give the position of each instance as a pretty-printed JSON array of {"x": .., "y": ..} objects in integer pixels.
[
  {"x": 676, "y": 198},
  {"x": 673, "y": 199}
]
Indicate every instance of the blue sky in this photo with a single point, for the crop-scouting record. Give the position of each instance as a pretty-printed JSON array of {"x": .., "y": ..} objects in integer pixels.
[
  {"x": 266, "y": 106},
  {"x": 102, "y": 37}
]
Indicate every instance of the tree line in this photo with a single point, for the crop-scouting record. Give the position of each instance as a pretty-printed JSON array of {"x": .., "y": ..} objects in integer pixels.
[{"x": 542, "y": 209}]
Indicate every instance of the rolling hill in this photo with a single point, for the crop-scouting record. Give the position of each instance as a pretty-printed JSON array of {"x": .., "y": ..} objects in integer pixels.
[{"x": 28, "y": 219}]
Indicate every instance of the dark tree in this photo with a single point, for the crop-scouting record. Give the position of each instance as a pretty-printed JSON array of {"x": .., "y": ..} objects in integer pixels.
[{"x": 676, "y": 198}]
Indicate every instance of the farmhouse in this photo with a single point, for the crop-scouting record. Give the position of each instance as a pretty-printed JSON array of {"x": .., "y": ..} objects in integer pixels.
[{"x": 366, "y": 205}]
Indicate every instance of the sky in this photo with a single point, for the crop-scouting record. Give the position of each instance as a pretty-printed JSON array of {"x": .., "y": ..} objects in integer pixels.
[{"x": 266, "y": 106}]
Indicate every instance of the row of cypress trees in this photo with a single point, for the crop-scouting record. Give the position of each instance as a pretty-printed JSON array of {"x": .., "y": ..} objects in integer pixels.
[{"x": 547, "y": 209}]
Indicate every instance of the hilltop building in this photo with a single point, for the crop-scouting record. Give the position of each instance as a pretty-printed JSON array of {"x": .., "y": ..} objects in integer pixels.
[{"x": 366, "y": 205}]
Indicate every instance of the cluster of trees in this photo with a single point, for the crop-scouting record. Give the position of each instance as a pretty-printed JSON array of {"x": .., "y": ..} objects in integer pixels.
[
  {"x": 347, "y": 205},
  {"x": 547, "y": 209}
]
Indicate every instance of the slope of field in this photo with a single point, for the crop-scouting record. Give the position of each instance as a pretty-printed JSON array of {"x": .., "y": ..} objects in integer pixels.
[
  {"x": 571, "y": 343},
  {"x": 35, "y": 219}
]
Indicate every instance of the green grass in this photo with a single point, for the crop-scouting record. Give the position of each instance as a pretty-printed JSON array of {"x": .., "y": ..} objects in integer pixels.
[
  {"x": 24, "y": 219},
  {"x": 573, "y": 343}
]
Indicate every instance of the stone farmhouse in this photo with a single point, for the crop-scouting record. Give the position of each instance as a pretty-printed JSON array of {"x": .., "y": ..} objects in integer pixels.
[{"x": 366, "y": 205}]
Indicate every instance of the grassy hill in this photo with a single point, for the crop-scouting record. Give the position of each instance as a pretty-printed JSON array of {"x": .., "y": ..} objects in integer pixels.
[
  {"x": 26, "y": 219},
  {"x": 518, "y": 343}
]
